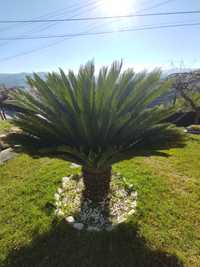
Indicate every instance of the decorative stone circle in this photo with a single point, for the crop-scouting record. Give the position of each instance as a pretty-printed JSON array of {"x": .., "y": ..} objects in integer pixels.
[{"x": 83, "y": 214}]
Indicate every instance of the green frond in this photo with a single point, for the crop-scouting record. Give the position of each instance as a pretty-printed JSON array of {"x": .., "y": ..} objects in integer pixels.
[{"x": 93, "y": 118}]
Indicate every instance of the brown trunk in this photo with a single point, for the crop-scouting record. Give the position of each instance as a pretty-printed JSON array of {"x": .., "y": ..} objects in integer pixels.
[
  {"x": 97, "y": 183},
  {"x": 4, "y": 114},
  {"x": 1, "y": 115}
]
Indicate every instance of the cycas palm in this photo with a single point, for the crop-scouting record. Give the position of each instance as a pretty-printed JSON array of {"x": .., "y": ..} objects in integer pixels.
[{"x": 94, "y": 120}]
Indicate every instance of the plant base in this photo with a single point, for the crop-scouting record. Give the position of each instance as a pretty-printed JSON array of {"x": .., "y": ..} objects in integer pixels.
[{"x": 84, "y": 214}]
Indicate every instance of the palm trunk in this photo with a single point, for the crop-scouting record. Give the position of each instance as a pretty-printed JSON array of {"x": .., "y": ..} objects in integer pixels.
[{"x": 97, "y": 184}]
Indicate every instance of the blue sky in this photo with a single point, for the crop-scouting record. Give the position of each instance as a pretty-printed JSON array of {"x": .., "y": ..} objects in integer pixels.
[{"x": 165, "y": 48}]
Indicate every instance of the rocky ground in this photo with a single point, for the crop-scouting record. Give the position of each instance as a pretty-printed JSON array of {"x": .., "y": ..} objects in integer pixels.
[
  {"x": 83, "y": 214},
  {"x": 6, "y": 152}
]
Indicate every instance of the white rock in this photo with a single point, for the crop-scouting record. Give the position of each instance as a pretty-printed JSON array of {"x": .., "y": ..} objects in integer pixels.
[
  {"x": 65, "y": 179},
  {"x": 109, "y": 228},
  {"x": 122, "y": 193},
  {"x": 134, "y": 195},
  {"x": 134, "y": 204},
  {"x": 6, "y": 155},
  {"x": 93, "y": 229},
  {"x": 64, "y": 185},
  {"x": 60, "y": 190},
  {"x": 78, "y": 226},
  {"x": 131, "y": 212},
  {"x": 58, "y": 203},
  {"x": 57, "y": 197},
  {"x": 74, "y": 165},
  {"x": 60, "y": 213},
  {"x": 121, "y": 219},
  {"x": 70, "y": 219},
  {"x": 65, "y": 200}
]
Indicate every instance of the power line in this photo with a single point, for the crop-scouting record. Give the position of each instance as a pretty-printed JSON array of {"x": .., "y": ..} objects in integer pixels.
[
  {"x": 72, "y": 8},
  {"x": 59, "y": 12},
  {"x": 36, "y": 49},
  {"x": 100, "y": 32},
  {"x": 42, "y": 47},
  {"x": 157, "y": 5},
  {"x": 104, "y": 17},
  {"x": 149, "y": 7},
  {"x": 66, "y": 39},
  {"x": 45, "y": 16},
  {"x": 90, "y": 7}
]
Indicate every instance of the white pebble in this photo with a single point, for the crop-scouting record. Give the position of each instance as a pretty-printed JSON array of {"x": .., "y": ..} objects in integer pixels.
[
  {"x": 58, "y": 203},
  {"x": 131, "y": 212},
  {"x": 74, "y": 165},
  {"x": 93, "y": 229},
  {"x": 65, "y": 179},
  {"x": 70, "y": 219},
  {"x": 57, "y": 197},
  {"x": 60, "y": 190},
  {"x": 60, "y": 213},
  {"x": 121, "y": 219},
  {"x": 134, "y": 204},
  {"x": 65, "y": 200},
  {"x": 109, "y": 228},
  {"x": 134, "y": 195},
  {"x": 78, "y": 226}
]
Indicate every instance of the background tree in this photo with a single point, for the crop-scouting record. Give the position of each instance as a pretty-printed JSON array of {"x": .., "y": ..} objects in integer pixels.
[
  {"x": 94, "y": 120},
  {"x": 3, "y": 98},
  {"x": 187, "y": 90}
]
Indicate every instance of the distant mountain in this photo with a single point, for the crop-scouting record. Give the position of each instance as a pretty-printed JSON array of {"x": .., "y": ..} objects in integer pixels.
[
  {"x": 19, "y": 79},
  {"x": 168, "y": 72},
  {"x": 16, "y": 79}
]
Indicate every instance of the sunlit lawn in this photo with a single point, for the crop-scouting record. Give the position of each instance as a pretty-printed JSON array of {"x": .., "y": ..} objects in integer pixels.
[
  {"x": 4, "y": 126},
  {"x": 164, "y": 232}
]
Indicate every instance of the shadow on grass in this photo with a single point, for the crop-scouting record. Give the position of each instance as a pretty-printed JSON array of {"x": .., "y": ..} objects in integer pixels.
[
  {"x": 64, "y": 246},
  {"x": 151, "y": 146}
]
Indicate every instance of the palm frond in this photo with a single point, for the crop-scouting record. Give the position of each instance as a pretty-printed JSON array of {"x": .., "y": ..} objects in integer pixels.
[{"x": 93, "y": 119}]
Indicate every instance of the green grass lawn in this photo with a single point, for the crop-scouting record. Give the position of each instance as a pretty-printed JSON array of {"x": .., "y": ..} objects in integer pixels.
[
  {"x": 165, "y": 231},
  {"x": 5, "y": 126}
]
